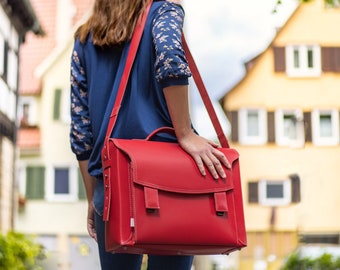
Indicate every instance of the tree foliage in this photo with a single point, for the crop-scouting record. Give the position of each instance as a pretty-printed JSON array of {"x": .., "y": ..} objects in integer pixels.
[
  {"x": 19, "y": 252},
  {"x": 327, "y": 2},
  {"x": 324, "y": 262}
]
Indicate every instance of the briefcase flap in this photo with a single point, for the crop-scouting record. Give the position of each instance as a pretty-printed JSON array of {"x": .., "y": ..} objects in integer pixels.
[{"x": 166, "y": 166}]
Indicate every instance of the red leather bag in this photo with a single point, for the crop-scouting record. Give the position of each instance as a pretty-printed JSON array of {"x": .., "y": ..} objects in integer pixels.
[{"x": 156, "y": 200}]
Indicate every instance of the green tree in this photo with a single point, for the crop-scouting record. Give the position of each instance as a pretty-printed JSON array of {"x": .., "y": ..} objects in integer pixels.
[
  {"x": 19, "y": 252},
  {"x": 327, "y": 2},
  {"x": 324, "y": 262}
]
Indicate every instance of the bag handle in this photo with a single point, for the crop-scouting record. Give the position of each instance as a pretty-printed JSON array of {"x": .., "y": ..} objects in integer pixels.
[{"x": 194, "y": 70}]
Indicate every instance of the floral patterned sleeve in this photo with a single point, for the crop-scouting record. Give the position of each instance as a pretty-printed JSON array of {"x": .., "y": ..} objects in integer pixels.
[
  {"x": 81, "y": 134},
  {"x": 171, "y": 64}
]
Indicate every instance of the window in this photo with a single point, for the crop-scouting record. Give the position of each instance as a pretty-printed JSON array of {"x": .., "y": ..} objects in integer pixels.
[
  {"x": 289, "y": 129},
  {"x": 65, "y": 185},
  {"x": 326, "y": 238},
  {"x": 61, "y": 106},
  {"x": 62, "y": 183},
  {"x": 275, "y": 193},
  {"x": 253, "y": 126},
  {"x": 325, "y": 127},
  {"x": 2, "y": 55},
  {"x": 12, "y": 74},
  {"x": 303, "y": 60},
  {"x": 4, "y": 94},
  {"x": 27, "y": 111}
]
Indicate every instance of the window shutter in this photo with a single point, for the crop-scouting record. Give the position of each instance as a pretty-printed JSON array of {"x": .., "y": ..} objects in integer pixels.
[
  {"x": 336, "y": 59},
  {"x": 279, "y": 59},
  {"x": 327, "y": 59},
  {"x": 253, "y": 192},
  {"x": 57, "y": 104},
  {"x": 330, "y": 58},
  {"x": 35, "y": 183},
  {"x": 233, "y": 118},
  {"x": 271, "y": 127},
  {"x": 296, "y": 190},
  {"x": 81, "y": 187},
  {"x": 307, "y": 118},
  {"x": 234, "y": 126}
]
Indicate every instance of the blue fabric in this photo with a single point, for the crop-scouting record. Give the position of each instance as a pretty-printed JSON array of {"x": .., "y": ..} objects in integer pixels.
[{"x": 117, "y": 261}]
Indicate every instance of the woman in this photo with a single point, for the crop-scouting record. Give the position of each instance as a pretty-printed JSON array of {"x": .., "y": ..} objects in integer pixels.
[{"x": 161, "y": 99}]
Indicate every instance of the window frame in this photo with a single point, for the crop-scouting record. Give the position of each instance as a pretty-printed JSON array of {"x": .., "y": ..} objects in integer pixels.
[
  {"x": 287, "y": 192},
  {"x": 72, "y": 196},
  {"x": 317, "y": 138},
  {"x": 262, "y": 136},
  {"x": 303, "y": 70},
  {"x": 280, "y": 137}
]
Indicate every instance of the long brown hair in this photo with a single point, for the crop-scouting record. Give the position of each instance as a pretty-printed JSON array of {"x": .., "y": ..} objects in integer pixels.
[{"x": 112, "y": 21}]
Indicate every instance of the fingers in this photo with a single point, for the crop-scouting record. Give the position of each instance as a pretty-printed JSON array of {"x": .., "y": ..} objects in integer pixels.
[
  {"x": 91, "y": 226},
  {"x": 214, "y": 161},
  {"x": 206, "y": 155},
  {"x": 92, "y": 230}
]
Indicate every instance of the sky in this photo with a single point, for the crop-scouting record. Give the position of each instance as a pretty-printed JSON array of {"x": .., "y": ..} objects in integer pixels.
[{"x": 222, "y": 35}]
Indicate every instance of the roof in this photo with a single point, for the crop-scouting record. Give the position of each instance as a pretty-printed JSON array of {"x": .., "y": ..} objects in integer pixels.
[
  {"x": 36, "y": 48},
  {"x": 250, "y": 63},
  {"x": 29, "y": 138},
  {"x": 23, "y": 16}
]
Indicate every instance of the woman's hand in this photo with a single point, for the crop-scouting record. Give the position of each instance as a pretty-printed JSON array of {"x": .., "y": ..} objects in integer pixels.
[
  {"x": 205, "y": 152},
  {"x": 91, "y": 227}
]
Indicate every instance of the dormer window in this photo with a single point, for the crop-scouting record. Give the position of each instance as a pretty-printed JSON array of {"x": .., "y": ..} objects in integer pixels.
[{"x": 303, "y": 60}]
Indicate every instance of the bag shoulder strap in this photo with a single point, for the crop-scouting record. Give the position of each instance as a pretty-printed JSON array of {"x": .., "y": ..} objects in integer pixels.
[
  {"x": 205, "y": 96},
  {"x": 194, "y": 70}
]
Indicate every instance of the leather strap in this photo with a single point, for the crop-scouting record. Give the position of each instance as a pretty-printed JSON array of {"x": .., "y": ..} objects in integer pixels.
[
  {"x": 194, "y": 70},
  {"x": 205, "y": 96}
]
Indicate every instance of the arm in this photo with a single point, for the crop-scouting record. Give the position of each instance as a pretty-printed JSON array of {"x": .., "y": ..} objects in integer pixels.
[
  {"x": 81, "y": 133},
  {"x": 172, "y": 72},
  {"x": 203, "y": 151},
  {"x": 89, "y": 183}
]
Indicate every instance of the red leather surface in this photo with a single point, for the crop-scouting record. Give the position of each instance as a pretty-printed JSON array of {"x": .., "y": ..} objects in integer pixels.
[{"x": 157, "y": 202}]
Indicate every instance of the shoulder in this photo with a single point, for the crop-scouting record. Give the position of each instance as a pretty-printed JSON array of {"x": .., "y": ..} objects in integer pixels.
[{"x": 171, "y": 7}]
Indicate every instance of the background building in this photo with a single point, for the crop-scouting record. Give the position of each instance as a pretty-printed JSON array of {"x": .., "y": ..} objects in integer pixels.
[
  {"x": 52, "y": 194},
  {"x": 16, "y": 19},
  {"x": 284, "y": 117}
]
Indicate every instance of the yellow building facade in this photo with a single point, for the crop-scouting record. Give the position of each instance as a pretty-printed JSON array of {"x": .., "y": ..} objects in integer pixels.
[{"x": 284, "y": 117}]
